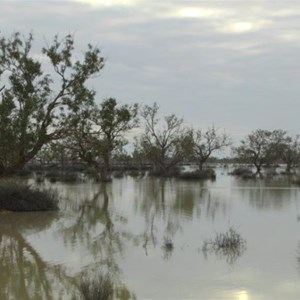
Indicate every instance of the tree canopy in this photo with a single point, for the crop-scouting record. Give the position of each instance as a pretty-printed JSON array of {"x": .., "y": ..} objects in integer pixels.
[{"x": 35, "y": 105}]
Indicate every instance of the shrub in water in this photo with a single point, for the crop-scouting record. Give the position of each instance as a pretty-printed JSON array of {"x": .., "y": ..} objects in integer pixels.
[
  {"x": 242, "y": 172},
  {"x": 101, "y": 288},
  {"x": 19, "y": 196},
  {"x": 198, "y": 175},
  {"x": 230, "y": 245}
]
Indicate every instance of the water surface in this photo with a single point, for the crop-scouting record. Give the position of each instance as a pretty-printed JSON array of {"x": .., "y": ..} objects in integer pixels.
[{"x": 120, "y": 228}]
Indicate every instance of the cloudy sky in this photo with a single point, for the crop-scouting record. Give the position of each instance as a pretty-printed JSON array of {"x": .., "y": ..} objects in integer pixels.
[{"x": 235, "y": 64}]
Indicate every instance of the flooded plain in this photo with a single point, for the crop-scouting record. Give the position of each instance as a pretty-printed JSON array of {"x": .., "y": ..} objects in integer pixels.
[{"x": 121, "y": 229}]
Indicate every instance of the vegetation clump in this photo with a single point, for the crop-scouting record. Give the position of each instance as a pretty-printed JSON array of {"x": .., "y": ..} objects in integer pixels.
[
  {"x": 68, "y": 177},
  {"x": 296, "y": 181},
  {"x": 118, "y": 174},
  {"x": 230, "y": 245},
  {"x": 100, "y": 288},
  {"x": 242, "y": 172},
  {"x": 198, "y": 175},
  {"x": 168, "y": 244},
  {"x": 18, "y": 196}
]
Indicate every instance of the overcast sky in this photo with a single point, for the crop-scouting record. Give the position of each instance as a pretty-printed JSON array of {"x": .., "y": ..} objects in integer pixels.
[{"x": 235, "y": 64}]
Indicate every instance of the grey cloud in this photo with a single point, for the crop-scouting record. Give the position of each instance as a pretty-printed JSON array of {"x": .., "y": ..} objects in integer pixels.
[{"x": 194, "y": 67}]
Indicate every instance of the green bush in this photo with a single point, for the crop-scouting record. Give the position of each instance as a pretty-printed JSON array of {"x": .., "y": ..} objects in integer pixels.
[
  {"x": 198, "y": 175},
  {"x": 19, "y": 196},
  {"x": 101, "y": 288},
  {"x": 242, "y": 172}
]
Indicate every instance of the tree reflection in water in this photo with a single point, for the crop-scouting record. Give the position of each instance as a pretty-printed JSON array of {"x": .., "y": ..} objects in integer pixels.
[
  {"x": 93, "y": 227},
  {"x": 26, "y": 275}
]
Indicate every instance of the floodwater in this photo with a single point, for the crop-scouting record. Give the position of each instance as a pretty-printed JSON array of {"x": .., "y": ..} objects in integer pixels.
[{"x": 120, "y": 228}]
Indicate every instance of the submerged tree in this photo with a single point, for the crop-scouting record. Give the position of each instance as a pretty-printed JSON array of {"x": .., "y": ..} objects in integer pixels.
[
  {"x": 204, "y": 143},
  {"x": 98, "y": 131},
  {"x": 291, "y": 152},
  {"x": 34, "y": 105},
  {"x": 261, "y": 148},
  {"x": 163, "y": 141}
]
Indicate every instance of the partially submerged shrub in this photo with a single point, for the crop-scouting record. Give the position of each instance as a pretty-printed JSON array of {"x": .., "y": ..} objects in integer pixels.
[
  {"x": 172, "y": 172},
  {"x": 230, "y": 245},
  {"x": 19, "y": 196},
  {"x": 168, "y": 244},
  {"x": 118, "y": 174},
  {"x": 68, "y": 177},
  {"x": 242, "y": 172},
  {"x": 91, "y": 171},
  {"x": 39, "y": 179},
  {"x": 296, "y": 181},
  {"x": 198, "y": 175},
  {"x": 24, "y": 172},
  {"x": 133, "y": 173},
  {"x": 100, "y": 288}
]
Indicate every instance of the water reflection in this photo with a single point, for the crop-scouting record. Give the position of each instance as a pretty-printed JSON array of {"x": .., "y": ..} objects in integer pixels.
[
  {"x": 265, "y": 194},
  {"x": 93, "y": 226},
  {"x": 119, "y": 230},
  {"x": 24, "y": 273}
]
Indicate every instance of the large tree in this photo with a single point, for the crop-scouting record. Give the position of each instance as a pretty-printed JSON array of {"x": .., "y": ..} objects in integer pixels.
[
  {"x": 291, "y": 152},
  {"x": 99, "y": 131},
  {"x": 35, "y": 105},
  {"x": 163, "y": 140},
  {"x": 205, "y": 142},
  {"x": 261, "y": 148}
]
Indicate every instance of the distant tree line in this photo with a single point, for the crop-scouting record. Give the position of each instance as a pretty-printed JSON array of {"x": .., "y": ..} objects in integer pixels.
[{"x": 54, "y": 117}]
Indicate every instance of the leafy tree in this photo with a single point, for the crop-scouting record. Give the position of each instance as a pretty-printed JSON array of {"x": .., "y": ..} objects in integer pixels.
[
  {"x": 34, "y": 105},
  {"x": 98, "y": 131},
  {"x": 204, "y": 143},
  {"x": 291, "y": 152},
  {"x": 163, "y": 141},
  {"x": 261, "y": 148}
]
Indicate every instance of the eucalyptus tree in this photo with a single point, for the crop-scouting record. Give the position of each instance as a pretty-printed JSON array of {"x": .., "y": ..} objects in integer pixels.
[
  {"x": 163, "y": 140},
  {"x": 97, "y": 132},
  {"x": 261, "y": 148},
  {"x": 291, "y": 152},
  {"x": 35, "y": 105},
  {"x": 205, "y": 142}
]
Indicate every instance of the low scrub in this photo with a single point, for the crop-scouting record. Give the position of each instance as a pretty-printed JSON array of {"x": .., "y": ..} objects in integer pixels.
[
  {"x": 172, "y": 172},
  {"x": 19, "y": 196},
  {"x": 133, "y": 173},
  {"x": 118, "y": 174},
  {"x": 168, "y": 244},
  {"x": 296, "y": 181},
  {"x": 230, "y": 245},
  {"x": 68, "y": 177},
  {"x": 242, "y": 172},
  {"x": 101, "y": 288},
  {"x": 198, "y": 175}
]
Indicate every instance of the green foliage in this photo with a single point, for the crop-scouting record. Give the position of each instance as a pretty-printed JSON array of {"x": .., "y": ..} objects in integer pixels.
[
  {"x": 98, "y": 131},
  {"x": 290, "y": 154},
  {"x": 18, "y": 196},
  {"x": 229, "y": 245},
  {"x": 242, "y": 172},
  {"x": 34, "y": 106},
  {"x": 198, "y": 175},
  {"x": 101, "y": 288},
  {"x": 261, "y": 148}
]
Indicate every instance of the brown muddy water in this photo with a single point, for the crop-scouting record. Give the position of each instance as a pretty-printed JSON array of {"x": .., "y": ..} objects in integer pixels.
[{"x": 121, "y": 228}]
